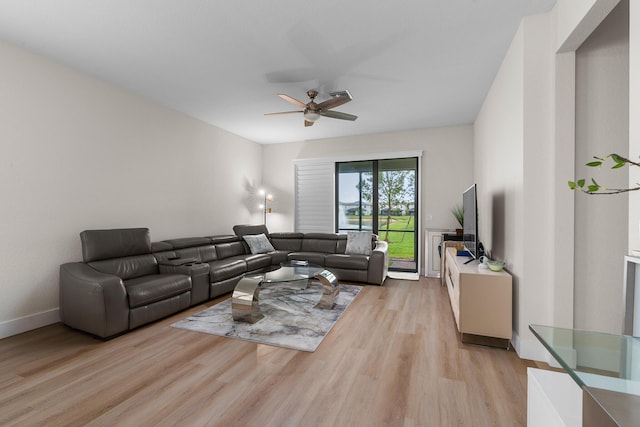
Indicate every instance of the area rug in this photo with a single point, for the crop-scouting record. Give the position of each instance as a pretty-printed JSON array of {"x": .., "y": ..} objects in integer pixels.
[{"x": 290, "y": 319}]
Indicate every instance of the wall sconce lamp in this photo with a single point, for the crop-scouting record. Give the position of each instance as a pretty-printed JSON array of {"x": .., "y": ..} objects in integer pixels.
[{"x": 265, "y": 208}]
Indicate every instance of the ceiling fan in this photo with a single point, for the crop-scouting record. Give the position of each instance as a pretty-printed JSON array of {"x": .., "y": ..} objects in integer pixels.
[{"x": 313, "y": 111}]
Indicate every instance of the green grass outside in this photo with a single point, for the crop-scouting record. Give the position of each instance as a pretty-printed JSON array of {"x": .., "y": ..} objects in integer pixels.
[{"x": 401, "y": 245}]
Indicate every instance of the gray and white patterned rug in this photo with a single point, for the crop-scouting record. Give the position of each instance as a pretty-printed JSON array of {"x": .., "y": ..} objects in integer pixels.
[{"x": 290, "y": 319}]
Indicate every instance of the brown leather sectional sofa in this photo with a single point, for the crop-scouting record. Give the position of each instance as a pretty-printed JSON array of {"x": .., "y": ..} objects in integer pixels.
[{"x": 126, "y": 281}]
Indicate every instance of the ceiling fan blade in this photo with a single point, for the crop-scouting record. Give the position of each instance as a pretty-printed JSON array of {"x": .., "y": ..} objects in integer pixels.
[
  {"x": 338, "y": 115},
  {"x": 283, "y": 112},
  {"x": 307, "y": 123},
  {"x": 292, "y": 100},
  {"x": 335, "y": 101}
]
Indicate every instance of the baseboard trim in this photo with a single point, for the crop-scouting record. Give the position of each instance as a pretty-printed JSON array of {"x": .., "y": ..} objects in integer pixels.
[
  {"x": 486, "y": 341},
  {"x": 530, "y": 349},
  {"x": 27, "y": 323}
]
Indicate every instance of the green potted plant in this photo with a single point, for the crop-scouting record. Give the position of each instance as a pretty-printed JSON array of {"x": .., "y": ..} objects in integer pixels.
[{"x": 458, "y": 213}]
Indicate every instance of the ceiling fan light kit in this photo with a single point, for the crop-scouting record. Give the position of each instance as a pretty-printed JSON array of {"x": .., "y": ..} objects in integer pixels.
[
  {"x": 312, "y": 111},
  {"x": 311, "y": 116}
]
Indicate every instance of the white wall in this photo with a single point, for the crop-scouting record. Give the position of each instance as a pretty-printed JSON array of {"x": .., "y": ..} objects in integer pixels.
[
  {"x": 576, "y": 20},
  {"x": 446, "y": 170},
  {"x": 514, "y": 146},
  {"x": 634, "y": 123},
  {"x": 80, "y": 154},
  {"x": 531, "y": 106},
  {"x": 602, "y": 127},
  {"x": 499, "y": 158},
  {"x": 539, "y": 251}
]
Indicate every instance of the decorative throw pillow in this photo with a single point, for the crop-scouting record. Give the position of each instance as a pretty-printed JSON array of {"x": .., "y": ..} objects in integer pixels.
[
  {"x": 359, "y": 243},
  {"x": 258, "y": 243}
]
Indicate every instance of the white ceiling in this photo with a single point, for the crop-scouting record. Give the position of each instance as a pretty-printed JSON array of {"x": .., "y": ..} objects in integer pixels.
[{"x": 409, "y": 64}]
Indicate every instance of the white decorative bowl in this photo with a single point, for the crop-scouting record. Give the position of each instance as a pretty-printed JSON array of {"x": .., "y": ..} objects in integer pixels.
[{"x": 495, "y": 265}]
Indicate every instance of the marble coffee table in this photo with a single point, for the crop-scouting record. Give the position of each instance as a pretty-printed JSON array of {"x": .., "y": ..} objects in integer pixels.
[{"x": 246, "y": 295}]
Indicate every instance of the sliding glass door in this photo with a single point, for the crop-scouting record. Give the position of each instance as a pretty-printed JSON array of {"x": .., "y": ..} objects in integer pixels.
[
  {"x": 355, "y": 196},
  {"x": 397, "y": 197},
  {"x": 381, "y": 195}
]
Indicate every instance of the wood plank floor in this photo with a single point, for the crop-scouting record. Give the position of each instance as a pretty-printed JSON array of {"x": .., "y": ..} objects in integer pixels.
[{"x": 393, "y": 359}]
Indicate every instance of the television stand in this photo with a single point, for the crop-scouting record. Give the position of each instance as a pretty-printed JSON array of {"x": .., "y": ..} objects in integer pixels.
[{"x": 481, "y": 301}]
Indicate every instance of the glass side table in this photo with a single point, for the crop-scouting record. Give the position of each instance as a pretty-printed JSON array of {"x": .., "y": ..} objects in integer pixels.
[{"x": 605, "y": 366}]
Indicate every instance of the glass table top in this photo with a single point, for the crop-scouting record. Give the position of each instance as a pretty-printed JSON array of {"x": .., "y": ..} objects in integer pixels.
[
  {"x": 292, "y": 271},
  {"x": 595, "y": 359}
]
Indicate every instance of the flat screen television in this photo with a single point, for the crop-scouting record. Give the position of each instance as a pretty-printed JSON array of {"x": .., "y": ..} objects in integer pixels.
[{"x": 470, "y": 215}]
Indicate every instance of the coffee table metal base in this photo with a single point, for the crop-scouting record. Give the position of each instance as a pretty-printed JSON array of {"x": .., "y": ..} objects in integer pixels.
[
  {"x": 246, "y": 296},
  {"x": 330, "y": 290},
  {"x": 244, "y": 302}
]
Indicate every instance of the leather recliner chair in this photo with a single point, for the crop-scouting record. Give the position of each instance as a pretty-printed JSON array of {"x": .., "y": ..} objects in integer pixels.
[{"x": 120, "y": 285}]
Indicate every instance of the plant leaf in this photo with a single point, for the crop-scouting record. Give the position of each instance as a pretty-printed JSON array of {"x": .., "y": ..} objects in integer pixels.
[
  {"x": 593, "y": 188},
  {"x": 572, "y": 185},
  {"x": 616, "y": 158},
  {"x": 618, "y": 165},
  {"x": 581, "y": 183},
  {"x": 594, "y": 164}
]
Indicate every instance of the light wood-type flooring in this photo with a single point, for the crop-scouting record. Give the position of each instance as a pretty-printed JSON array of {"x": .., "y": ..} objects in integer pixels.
[{"x": 393, "y": 359}]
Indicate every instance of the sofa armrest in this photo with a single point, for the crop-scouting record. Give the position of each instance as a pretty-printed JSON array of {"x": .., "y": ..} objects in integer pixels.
[
  {"x": 174, "y": 262},
  {"x": 189, "y": 269},
  {"x": 199, "y": 273},
  {"x": 92, "y": 301},
  {"x": 378, "y": 263}
]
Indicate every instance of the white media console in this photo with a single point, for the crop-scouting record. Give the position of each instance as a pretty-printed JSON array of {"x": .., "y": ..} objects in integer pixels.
[{"x": 481, "y": 300}]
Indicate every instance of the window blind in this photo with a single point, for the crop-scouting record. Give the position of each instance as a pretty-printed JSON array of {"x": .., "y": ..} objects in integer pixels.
[{"x": 314, "y": 196}]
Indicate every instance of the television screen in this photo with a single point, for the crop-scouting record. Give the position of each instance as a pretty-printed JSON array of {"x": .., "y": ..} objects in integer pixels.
[{"x": 470, "y": 215}]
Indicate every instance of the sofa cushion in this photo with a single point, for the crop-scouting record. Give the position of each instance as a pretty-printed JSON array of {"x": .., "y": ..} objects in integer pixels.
[
  {"x": 223, "y": 269},
  {"x": 350, "y": 262},
  {"x": 257, "y": 261},
  {"x": 341, "y": 244},
  {"x": 291, "y": 242},
  {"x": 319, "y": 242},
  {"x": 278, "y": 257},
  {"x": 116, "y": 243},
  {"x": 129, "y": 267},
  {"x": 149, "y": 289},
  {"x": 223, "y": 238},
  {"x": 258, "y": 243},
  {"x": 313, "y": 257},
  {"x": 161, "y": 247},
  {"x": 226, "y": 250},
  {"x": 244, "y": 229},
  {"x": 188, "y": 242},
  {"x": 358, "y": 243},
  {"x": 201, "y": 253}
]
